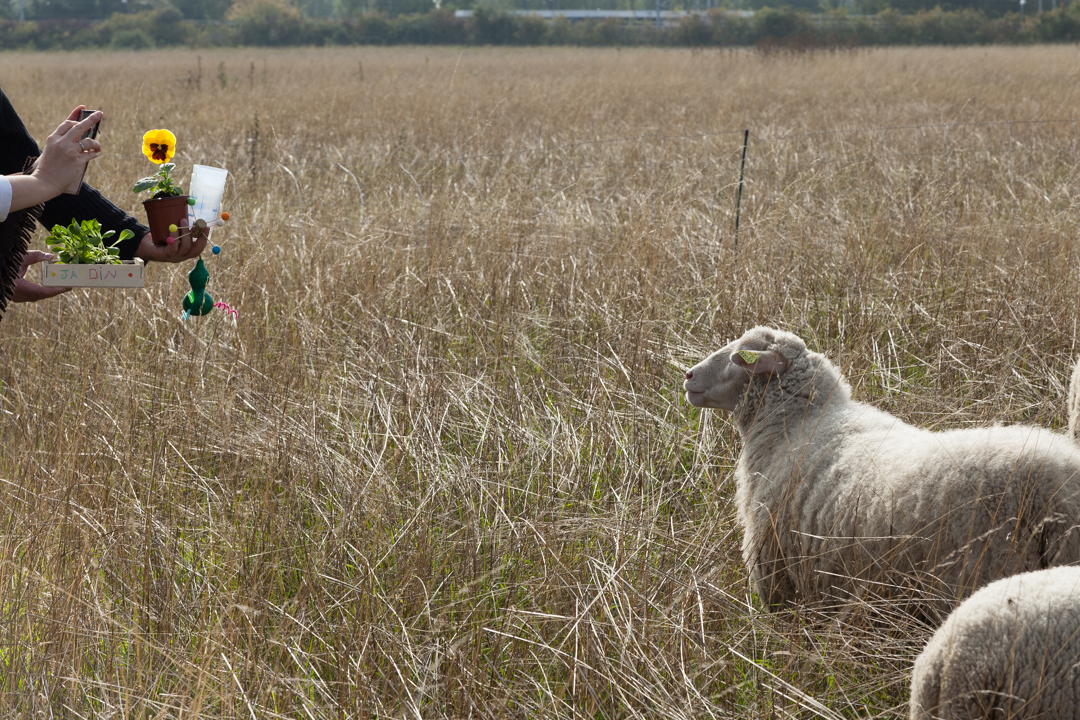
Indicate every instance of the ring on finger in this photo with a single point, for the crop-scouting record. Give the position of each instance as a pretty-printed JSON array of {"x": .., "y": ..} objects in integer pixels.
[{"x": 81, "y": 146}]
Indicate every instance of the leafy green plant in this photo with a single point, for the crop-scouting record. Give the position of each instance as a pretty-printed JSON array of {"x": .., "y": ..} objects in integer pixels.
[
  {"x": 160, "y": 182},
  {"x": 84, "y": 243}
]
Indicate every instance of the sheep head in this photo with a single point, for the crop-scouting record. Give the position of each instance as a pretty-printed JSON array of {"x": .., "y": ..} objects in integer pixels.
[
  {"x": 722, "y": 380},
  {"x": 765, "y": 366}
]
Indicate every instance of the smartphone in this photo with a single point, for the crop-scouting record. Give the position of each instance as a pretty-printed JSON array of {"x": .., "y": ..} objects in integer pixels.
[{"x": 91, "y": 133}]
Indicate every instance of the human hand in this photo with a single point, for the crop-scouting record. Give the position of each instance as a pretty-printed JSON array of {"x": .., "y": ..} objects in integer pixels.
[
  {"x": 182, "y": 249},
  {"x": 26, "y": 291},
  {"x": 65, "y": 155}
]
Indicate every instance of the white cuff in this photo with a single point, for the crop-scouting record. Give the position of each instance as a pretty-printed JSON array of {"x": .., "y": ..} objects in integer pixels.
[{"x": 5, "y": 197}]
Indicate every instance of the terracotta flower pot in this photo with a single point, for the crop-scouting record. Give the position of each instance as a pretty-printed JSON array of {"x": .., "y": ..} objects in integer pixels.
[{"x": 163, "y": 212}]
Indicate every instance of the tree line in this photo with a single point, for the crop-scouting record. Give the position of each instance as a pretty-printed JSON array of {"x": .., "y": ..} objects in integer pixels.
[{"x": 283, "y": 23}]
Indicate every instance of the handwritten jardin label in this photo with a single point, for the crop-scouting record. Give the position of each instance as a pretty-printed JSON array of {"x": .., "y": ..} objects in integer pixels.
[
  {"x": 90, "y": 273},
  {"x": 128, "y": 274},
  {"x": 749, "y": 357}
]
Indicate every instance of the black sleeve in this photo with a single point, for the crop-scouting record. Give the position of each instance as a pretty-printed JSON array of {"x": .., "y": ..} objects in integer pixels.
[
  {"x": 16, "y": 145},
  {"x": 89, "y": 203}
]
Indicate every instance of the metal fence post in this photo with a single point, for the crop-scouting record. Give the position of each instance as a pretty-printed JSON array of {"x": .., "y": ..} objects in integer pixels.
[{"x": 738, "y": 196}]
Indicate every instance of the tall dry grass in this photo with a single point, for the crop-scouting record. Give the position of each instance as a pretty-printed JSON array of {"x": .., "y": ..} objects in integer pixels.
[{"x": 441, "y": 466}]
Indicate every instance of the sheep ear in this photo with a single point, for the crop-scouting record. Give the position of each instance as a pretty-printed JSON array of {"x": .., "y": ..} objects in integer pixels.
[{"x": 760, "y": 362}]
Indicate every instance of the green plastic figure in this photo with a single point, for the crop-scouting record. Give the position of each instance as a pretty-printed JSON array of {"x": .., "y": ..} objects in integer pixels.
[{"x": 198, "y": 301}]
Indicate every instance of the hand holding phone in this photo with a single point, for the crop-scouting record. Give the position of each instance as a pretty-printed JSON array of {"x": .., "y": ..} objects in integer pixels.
[{"x": 91, "y": 133}]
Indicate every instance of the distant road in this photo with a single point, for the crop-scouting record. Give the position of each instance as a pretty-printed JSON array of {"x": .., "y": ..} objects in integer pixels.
[{"x": 665, "y": 16}]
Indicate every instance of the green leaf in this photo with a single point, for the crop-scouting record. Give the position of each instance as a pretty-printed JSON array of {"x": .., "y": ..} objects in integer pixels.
[
  {"x": 125, "y": 235},
  {"x": 84, "y": 243},
  {"x": 167, "y": 168},
  {"x": 145, "y": 184}
]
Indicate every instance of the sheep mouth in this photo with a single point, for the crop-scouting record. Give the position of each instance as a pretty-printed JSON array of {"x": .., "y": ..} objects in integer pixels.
[{"x": 697, "y": 399}]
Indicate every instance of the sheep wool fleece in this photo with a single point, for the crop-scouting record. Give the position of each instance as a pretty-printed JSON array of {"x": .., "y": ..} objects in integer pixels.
[
  {"x": 839, "y": 500},
  {"x": 1010, "y": 651}
]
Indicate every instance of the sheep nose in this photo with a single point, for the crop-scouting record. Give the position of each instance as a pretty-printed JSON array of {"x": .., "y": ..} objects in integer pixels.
[{"x": 689, "y": 374}]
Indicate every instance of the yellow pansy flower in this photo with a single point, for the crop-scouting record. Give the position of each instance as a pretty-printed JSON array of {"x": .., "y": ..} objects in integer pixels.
[{"x": 159, "y": 146}]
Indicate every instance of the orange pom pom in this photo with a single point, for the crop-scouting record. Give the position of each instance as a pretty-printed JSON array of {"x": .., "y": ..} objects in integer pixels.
[{"x": 224, "y": 216}]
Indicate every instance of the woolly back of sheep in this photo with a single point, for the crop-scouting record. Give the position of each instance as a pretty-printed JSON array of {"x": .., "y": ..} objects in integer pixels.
[{"x": 1009, "y": 652}]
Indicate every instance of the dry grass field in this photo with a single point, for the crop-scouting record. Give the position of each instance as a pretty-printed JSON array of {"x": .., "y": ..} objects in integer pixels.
[{"x": 440, "y": 466}]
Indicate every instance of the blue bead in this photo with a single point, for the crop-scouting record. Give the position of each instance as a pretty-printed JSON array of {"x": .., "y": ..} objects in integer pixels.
[{"x": 217, "y": 250}]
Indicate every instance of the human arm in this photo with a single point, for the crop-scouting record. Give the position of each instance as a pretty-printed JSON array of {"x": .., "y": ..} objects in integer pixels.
[
  {"x": 140, "y": 243},
  {"x": 90, "y": 203},
  {"x": 60, "y": 165},
  {"x": 17, "y": 146}
]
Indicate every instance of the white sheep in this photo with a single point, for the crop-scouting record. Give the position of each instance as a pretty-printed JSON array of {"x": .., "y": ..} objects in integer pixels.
[
  {"x": 1074, "y": 404},
  {"x": 838, "y": 499},
  {"x": 1011, "y": 650}
]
